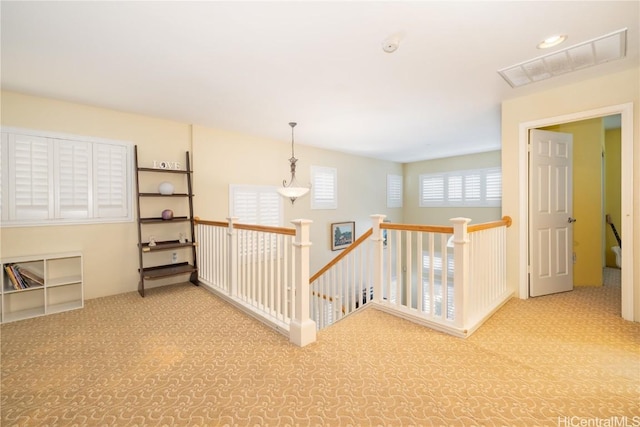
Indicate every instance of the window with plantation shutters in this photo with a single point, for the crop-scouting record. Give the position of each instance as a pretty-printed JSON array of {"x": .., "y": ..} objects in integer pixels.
[
  {"x": 475, "y": 188},
  {"x": 50, "y": 179},
  {"x": 254, "y": 204},
  {"x": 394, "y": 191},
  {"x": 324, "y": 187}
]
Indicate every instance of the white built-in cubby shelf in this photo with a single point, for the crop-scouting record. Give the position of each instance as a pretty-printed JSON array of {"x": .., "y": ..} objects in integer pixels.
[{"x": 39, "y": 285}]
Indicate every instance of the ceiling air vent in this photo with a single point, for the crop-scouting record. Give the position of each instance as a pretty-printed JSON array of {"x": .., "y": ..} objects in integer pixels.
[{"x": 592, "y": 52}]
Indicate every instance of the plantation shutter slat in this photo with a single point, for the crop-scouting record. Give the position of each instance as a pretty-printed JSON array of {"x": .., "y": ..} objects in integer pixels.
[
  {"x": 324, "y": 188},
  {"x": 494, "y": 185},
  {"x": 455, "y": 188},
  {"x": 111, "y": 181},
  {"x": 74, "y": 179},
  {"x": 245, "y": 206},
  {"x": 472, "y": 191},
  {"x": 32, "y": 186},
  {"x": 394, "y": 191},
  {"x": 256, "y": 205},
  {"x": 432, "y": 189},
  {"x": 269, "y": 212}
]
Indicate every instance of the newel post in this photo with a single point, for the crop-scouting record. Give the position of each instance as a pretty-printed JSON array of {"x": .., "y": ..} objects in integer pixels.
[
  {"x": 378, "y": 246},
  {"x": 302, "y": 330},
  {"x": 233, "y": 257},
  {"x": 461, "y": 270}
]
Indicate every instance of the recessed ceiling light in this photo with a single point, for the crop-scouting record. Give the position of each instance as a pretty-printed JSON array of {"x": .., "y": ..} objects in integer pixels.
[{"x": 552, "y": 41}]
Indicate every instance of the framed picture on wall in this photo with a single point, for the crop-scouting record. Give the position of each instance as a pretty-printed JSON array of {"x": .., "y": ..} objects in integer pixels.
[{"x": 342, "y": 234}]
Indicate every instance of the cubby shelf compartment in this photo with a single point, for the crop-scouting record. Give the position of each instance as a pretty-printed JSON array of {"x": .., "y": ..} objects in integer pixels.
[
  {"x": 61, "y": 289},
  {"x": 175, "y": 269}
]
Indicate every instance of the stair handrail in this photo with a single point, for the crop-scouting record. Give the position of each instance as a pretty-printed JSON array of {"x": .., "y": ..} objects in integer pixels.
[
  {"x": 343, "y": 254},
  {"x": 253, "y": 227}
]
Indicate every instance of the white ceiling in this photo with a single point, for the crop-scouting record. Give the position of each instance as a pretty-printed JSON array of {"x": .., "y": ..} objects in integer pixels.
[{"x": 252, "y": 67}]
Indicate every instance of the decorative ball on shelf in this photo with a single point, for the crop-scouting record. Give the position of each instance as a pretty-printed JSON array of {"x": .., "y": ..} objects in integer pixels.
[
  {"x": 167, "y": 214},
  {"x": 165, "y": 188}
]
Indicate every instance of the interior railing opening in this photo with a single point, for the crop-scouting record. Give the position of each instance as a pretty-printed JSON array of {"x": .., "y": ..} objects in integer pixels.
[{"x": 450, "y": 278}]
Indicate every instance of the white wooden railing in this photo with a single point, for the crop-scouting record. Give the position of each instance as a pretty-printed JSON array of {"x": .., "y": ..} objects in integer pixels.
[
  {"x": 262, "y": 270},
  {"x": 448, "y": 278}
]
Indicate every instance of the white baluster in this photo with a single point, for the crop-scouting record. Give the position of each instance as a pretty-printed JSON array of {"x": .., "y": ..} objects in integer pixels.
[{"x": 233, "y": 257}]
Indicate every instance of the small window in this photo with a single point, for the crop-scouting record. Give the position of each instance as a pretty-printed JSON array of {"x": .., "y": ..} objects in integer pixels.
[
  {"x": 256, "y": 204},
  {"x": 394, "y": 191},
  {"x": 324, "y": 187},
  {"x": 476, "y": 187}
]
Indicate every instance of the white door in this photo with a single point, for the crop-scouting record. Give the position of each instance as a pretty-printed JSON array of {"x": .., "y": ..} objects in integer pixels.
[{"x": 550, "y": 213}]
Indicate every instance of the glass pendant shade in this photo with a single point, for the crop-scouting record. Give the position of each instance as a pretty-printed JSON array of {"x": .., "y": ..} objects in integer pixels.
[{"x": 292, "y": 190}]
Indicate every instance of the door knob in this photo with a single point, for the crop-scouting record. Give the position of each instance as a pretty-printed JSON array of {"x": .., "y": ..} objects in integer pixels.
[{"x": 571, "y": 220}]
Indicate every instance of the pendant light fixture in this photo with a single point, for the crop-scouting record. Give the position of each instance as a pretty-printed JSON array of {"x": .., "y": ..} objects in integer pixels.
[{"x": 292, "y": 190}]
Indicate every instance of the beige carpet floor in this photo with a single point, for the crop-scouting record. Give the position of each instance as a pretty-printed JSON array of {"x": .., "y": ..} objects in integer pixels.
[{"x": 182, "y": 357}]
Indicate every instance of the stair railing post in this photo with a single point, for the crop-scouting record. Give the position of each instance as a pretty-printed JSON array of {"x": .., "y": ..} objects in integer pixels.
[
  {"x": 233, "y": 257},
  {"x": 302, "y": 330},
  {"x": 377, "y": 236},
  {"x": 461, "y": 270}
]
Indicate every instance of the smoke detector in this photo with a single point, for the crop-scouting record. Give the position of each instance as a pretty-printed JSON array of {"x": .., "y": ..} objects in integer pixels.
[
  {"x": 390, "y": 46},
  {"x": 391, "y": 43}
]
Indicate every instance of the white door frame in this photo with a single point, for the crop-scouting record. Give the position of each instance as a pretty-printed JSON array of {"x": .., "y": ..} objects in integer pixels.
[{"x": 626, "y": 112}]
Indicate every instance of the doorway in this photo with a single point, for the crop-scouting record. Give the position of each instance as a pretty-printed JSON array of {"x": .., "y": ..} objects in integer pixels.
[{"x": 626, "y": 112}]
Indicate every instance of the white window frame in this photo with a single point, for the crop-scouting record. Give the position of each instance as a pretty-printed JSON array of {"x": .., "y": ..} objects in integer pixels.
[
  {"x": 324, "y": 187},
  {"x": 81, "y": 165},
  {"x": 466, "y": 188},
  {"x": 394, "y": 191}
]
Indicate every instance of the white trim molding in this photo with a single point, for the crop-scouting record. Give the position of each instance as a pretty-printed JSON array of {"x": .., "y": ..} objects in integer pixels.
[{"x": 626, "y": 112}]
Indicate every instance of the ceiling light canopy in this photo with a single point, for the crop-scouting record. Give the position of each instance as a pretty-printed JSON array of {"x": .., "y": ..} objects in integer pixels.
[
  {"x": 552, "y": 41},
  {"x": 596, "y": 51},
  {"x": 292, "y": 190}
]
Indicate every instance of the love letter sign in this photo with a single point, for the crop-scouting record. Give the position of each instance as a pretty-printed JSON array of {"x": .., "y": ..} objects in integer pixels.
[{"x": 157, "y": 164}]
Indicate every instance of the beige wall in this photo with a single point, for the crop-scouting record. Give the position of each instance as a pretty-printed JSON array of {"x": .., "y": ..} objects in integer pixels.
[
  {"x": 219, "y": 159},
  {"x": 110, "y": 250},
  {"x": 588, "y": 144},
  {"x": 615, "y": 89},
  {"x": 225, "y": 158},
  {"x": 414, "y": 214},
  {"x": 612, "y": 192}
]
